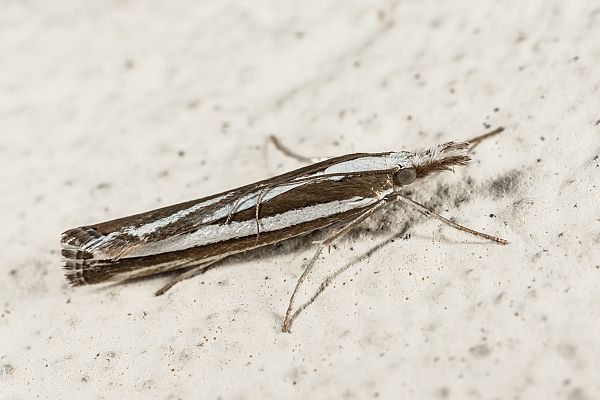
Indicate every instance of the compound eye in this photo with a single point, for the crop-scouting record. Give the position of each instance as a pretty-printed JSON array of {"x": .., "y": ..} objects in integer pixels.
[{"x": 405, "y": 176}]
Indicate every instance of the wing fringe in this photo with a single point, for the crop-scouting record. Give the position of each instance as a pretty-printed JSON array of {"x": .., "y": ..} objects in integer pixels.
[{"x": 78, "y": 258}]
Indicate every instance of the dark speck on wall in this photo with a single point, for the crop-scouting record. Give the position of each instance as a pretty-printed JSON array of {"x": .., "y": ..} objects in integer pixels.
[
  {"x": 480, "y": 351},
  {"x": 443, "y": 393},
  {"x": 129, "y": 64},
  {"x": 225, "y": 127},
  {"x": 192, "y": 104},
  {"x": 6, "y": 370},
  {"x": 577, "y": 394}
]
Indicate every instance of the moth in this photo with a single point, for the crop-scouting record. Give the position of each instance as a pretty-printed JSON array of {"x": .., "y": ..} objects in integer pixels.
[{"x": 192, "y": 236}]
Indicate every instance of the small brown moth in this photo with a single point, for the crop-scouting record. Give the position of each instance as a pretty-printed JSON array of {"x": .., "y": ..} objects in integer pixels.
[{"x": 192, "y": 236}]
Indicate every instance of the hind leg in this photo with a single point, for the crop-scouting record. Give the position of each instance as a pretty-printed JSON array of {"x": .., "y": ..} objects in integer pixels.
[{"x": 194, "y": 271}]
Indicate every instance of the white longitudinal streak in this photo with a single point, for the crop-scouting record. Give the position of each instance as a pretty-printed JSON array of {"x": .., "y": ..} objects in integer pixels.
[{"x": 217, "y": 233}]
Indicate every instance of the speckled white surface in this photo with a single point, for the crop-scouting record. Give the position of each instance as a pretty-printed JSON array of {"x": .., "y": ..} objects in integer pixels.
[{"x": 115, "y": 107}]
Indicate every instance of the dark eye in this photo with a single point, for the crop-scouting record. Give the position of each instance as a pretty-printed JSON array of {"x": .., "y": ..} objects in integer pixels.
[{"x": 405, "y": 176}]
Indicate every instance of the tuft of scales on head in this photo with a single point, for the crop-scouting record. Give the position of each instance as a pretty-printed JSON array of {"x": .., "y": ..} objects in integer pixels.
[{"x": 441, "y": 157}]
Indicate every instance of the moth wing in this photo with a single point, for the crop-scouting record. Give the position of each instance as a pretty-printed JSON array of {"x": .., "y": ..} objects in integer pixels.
[
  {"x": 119, "y": 238},
  {"x": 116, "y": 239}
]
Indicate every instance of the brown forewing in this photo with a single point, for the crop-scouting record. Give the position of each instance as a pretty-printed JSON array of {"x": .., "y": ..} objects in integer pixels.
[{"x": 96, "y": 271}]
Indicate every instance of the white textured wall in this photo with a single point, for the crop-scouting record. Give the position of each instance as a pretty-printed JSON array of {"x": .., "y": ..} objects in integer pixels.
[{"x": 115, "y": 107}]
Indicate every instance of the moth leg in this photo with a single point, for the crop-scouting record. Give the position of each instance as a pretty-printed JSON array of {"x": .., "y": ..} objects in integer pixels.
[
  {"x": 194, "y": 271},
  {"x": 289, "y": 316},
  {"x": 238, "y": 201},
  {"x": 474, "y": 142},
  {"x": 236, "y": 205},
  {"x": 430, "y": 213},
  {"x": 257, "y": 210},
  {"x": 287, "y": 152},
  {"x": 233, "y": 209}
]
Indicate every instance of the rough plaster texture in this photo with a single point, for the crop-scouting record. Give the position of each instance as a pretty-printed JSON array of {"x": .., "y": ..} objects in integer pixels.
[{"x": 115, "y": 107}]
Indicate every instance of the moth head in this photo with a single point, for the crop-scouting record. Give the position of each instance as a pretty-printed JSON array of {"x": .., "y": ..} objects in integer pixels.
[{"x": 442, "y": 157}]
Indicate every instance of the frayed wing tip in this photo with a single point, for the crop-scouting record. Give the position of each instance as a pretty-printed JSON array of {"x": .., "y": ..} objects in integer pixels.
[{"x": 74, "y": 278}]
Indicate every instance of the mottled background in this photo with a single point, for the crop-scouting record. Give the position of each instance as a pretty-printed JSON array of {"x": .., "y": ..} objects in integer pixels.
[{"x": 114, "y": 107}]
